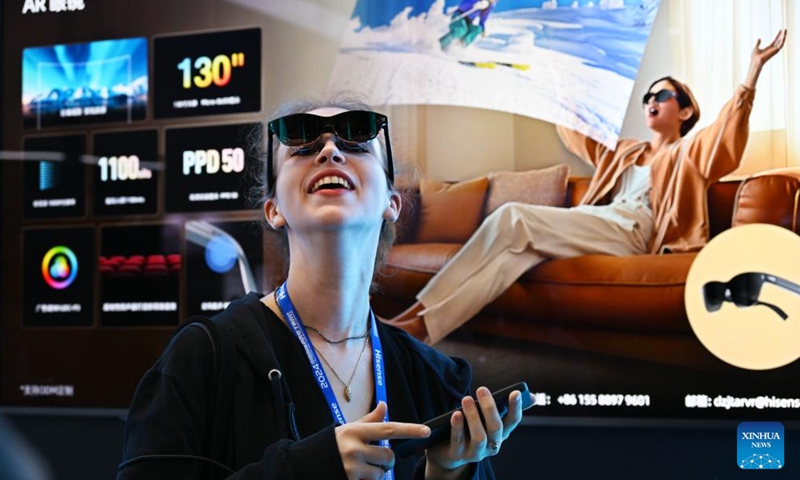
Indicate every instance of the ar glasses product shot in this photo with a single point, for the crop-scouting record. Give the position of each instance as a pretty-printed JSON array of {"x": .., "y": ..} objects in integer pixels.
[
  {"x": 352, "y": 128},
  {"x": 661, "y": 96},
  {"x": 743, "y": 290}
]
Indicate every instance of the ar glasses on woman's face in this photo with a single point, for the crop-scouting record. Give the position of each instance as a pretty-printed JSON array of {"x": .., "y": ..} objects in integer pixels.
[
  {"x": 743, "y": 291},
  {"x": 661, "y": 96},
  {"x": 353, "y": 129}
]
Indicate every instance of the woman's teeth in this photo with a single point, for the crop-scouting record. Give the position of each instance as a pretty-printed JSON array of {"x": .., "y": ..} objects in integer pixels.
[{"x": 331, "y": 182}]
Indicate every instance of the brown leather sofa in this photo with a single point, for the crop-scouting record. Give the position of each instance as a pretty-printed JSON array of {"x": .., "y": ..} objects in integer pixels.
[{"x": 628, "y": 306}]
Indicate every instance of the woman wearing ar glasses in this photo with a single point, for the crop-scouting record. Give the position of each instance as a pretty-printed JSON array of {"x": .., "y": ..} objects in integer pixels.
[
  {"x": 644, "y": 197},
  {"x": 319, "y": 386}
]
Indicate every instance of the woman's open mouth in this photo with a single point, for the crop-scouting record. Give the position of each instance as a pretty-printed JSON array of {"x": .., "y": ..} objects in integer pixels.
[{"x": 330, "y": 182}]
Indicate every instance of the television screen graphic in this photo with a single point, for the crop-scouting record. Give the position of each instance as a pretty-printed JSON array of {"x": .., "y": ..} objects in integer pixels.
[
  {"x": 103, "y": 81},
  {"x": 54, "y": 177},
  {"x": 58, "y": 277},
  {"x": 139, "y": 270},
  {"x": 125, "y": 178},
  {"x": 208, "y": 168},
  {"x": 208, "y": 73},
  {"x": 224, "y": 261}
]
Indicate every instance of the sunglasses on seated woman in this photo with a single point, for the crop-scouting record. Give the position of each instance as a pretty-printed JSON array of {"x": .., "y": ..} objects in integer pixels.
[
  {"x": 353, "y": 130},
  {"x": 661, "y": 96}
]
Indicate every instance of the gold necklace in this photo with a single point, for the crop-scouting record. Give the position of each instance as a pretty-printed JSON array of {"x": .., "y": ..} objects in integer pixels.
[{"x": 348, "y": 392}]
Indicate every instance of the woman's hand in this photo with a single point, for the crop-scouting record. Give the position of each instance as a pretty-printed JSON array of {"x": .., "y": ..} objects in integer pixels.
[
  {"x": 363, "y": 461},
  {"x": 761, "y": 56},
  {"x": 473, "y": 442}
]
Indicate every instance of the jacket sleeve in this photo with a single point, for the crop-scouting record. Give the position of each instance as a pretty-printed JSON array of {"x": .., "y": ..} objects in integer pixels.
[
  {"x": 168, "y": 417},
  {"x": 717, "y": 150},
  {"x": 587, "y": 149}
]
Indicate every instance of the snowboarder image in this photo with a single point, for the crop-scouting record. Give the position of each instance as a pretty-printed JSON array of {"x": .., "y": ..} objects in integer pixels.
[{"x": 468, "y": 21}]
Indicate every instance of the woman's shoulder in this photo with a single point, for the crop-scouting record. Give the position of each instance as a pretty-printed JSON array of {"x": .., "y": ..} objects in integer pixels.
[{"x": 198, "y": 340}]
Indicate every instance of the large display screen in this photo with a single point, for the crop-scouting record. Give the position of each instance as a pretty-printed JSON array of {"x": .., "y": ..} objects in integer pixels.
[
  {"x": 208, "y": 73},
  {"x": 128, "y": 212},
  {"x": 93, "y": 82}
]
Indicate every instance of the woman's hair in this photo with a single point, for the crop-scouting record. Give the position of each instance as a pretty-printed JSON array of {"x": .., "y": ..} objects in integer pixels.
[
  {"x": 685, "y": 99},
  {"x": 260, "y": 193}
]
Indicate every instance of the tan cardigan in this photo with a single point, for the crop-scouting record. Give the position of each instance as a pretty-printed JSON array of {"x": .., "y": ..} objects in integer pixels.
[{"x": 680, "y": 174}]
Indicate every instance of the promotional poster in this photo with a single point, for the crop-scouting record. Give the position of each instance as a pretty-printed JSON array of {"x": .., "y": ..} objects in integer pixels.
[
  {"x": 131, "y": 181},
  {"x": 554, "y": 58}
]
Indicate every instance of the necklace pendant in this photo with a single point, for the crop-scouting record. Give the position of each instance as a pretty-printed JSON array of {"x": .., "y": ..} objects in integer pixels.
[{"x": 348, "y": 393}]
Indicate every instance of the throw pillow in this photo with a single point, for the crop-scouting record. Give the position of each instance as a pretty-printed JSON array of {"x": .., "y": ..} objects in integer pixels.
[
  {"x": 451, "y": 212},
  {"x": 546, "y": 186}
]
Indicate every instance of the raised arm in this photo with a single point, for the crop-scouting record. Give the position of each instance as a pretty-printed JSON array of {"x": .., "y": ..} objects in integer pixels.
[
  {"x": 761, "y": 56},
  {"x": 717, "y": 149}
]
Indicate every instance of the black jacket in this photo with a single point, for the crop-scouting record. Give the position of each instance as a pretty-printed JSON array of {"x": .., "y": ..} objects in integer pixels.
[{"x": 170, "y": 410}]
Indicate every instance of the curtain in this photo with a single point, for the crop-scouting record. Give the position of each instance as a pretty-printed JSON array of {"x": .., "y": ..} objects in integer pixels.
[{"x": 714, "y": 40}]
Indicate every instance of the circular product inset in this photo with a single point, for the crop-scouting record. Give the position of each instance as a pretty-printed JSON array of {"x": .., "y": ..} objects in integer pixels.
[{"x": 743, "y": 296}]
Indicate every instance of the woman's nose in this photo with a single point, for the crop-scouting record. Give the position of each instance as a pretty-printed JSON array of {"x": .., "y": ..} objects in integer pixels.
[{"x": 330, "y": 150}]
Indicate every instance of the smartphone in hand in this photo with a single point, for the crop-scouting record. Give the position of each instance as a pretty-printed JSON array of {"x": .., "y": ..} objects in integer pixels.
[{"x": 440, "y": 426}]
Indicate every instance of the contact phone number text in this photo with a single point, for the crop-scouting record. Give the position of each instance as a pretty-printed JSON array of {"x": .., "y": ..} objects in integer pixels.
[{"x": 603, "y": 400}]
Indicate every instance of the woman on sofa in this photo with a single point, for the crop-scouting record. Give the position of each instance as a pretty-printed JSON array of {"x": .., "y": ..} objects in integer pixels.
[{"x": 644, "y": 197}]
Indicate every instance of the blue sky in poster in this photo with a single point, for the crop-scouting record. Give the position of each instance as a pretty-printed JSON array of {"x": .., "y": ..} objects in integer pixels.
[{"x": 379, "y": 13}]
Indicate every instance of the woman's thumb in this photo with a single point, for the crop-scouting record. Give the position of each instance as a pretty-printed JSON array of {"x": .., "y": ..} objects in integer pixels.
[{"x": 377, "y": 414}]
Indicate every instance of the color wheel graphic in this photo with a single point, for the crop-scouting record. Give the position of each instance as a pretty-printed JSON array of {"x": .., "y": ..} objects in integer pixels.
[{"x": 59, "y": 267}]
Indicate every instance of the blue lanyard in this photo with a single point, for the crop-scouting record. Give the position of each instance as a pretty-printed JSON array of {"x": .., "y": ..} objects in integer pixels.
[{"x": 287, "y": 308}]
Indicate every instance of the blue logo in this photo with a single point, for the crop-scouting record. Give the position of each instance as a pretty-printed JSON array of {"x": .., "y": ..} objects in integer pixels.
[{"x": 759, "y": 446}]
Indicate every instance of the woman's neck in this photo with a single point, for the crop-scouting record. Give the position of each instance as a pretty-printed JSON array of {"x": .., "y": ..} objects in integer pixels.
[
  {"x": 663, "y": 140},
  {"x": 329, "y": 277}
]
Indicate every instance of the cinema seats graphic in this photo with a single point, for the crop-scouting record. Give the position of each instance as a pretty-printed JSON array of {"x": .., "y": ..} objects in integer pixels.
[{"x": 155, "y": 265}]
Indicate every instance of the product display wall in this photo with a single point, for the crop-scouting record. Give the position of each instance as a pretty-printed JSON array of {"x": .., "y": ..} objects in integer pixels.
[
  {"x": 128, "y": 210},
  {"x": 129, "y": 213}
]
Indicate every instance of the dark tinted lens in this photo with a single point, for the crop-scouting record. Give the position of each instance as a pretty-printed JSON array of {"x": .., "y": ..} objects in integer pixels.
[
  {"x": 713, "y": 293},
  {"x": 664, "y": 95},
  {"x": 745, "y": 288},
  {"x": 357, "y": 126},
  {"x": 304, "y": 128},
  {"x": 295, "y": 130},
  {"x": 661, "y": 96}
]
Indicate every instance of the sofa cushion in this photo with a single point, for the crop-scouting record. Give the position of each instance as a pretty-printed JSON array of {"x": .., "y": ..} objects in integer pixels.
[
  {"x": 770, "y": 197},
  {"x": 634, "y": 293},
  {"x": 546, "y": 186},
  {"x": 451, "y": 212}
]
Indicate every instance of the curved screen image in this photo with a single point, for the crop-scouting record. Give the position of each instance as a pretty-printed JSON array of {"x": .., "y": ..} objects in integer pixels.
[{"x": 84, "y": 83}]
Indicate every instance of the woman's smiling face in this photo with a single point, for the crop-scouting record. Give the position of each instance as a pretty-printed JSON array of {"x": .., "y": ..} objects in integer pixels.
[{"x": 328, "y": 184}]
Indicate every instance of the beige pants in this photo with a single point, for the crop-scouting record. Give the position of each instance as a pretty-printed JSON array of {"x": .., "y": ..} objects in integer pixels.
[{"x": 512, "y": 240}]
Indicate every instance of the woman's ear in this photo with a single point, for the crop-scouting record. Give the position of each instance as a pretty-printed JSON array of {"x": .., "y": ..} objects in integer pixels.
[
  {"x": 273, "y": 216},
  {"x": 393, "y": 206},
  {"x": 686, "y": 113}
]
